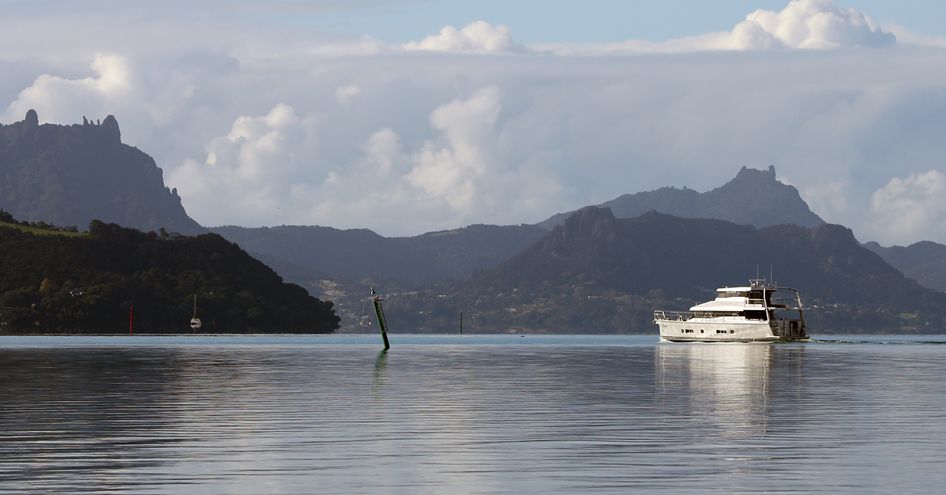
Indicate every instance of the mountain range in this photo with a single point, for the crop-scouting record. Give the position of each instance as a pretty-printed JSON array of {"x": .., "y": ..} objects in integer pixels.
[
  {"x": 603, "y": 274},
  {"x": 666, "y": 247},
  {"x": 753, "y": 197}
]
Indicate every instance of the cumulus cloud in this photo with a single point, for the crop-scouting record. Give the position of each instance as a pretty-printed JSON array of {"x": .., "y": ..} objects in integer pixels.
[
  {"x": 476, "y": 37},
  {"x": 802, "y": 24},
  {"x": 813, "y": 24},
  {"x": 383, "y": 152},
  {"x": 58, "y": 99},
  {"x": 910, "y": 207},
  {"x": 267, "y": 167},
  {"x": 247, "y": 172},
  {"x": 451, "y": 172}
]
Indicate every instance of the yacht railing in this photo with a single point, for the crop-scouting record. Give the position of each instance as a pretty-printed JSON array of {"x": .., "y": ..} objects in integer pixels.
[{"x": 660, "y": 314}]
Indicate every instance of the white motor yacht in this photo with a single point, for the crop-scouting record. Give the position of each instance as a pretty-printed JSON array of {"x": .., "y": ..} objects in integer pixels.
[{"x": 758, "y": 312}]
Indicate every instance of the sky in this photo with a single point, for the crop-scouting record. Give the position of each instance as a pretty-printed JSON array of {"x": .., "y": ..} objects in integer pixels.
[{"x": 406, "y": 116}]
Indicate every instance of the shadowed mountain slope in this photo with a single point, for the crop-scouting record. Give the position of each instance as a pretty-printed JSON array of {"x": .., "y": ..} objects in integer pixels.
[
  {"x": 923, "y": 261},
  {"x": 72, "y": 174}
]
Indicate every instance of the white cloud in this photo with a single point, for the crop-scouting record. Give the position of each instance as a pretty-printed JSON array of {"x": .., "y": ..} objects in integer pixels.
[
  {"x": 802, "y": 24},
  {"x": 476, "y": 37},
  {"x": 247, "y": 172},
  {"x": 450, "y": 173},
  {"x": 267, "y": 170},
  {"x": 383, "y": 151},
  {"x": 829, "y": 197},
  {"x": 345, "y": 93},
  {"x": 811, "y": 24},
  {"x": 58, "y": 99},
  {"x": 910, "y": 208}
]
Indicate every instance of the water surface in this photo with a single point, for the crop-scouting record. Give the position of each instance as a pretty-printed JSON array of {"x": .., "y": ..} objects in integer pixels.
[{"x": 470, "y": 414}]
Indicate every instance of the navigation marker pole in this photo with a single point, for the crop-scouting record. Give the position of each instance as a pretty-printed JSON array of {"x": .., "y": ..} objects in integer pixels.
[{"x": 382, "y": 324}]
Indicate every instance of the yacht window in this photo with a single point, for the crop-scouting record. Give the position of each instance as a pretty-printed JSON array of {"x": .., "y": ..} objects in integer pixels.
[
  {"x": 715, "y": 314},
  {"x": 732, "y": 331},
  {"x": 755, "y": 315}
]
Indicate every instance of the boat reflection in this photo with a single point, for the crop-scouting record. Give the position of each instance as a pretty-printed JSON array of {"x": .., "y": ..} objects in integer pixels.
[{"x": 725, "y": 384}]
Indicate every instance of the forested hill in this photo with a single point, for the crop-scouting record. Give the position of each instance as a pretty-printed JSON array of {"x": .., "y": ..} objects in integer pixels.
[
  {"x": 72, "y": 174},
  {"x": 53, "y": 282}
]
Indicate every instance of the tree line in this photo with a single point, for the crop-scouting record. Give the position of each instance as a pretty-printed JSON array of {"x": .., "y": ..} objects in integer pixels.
[{"x": 114, "y": 277}]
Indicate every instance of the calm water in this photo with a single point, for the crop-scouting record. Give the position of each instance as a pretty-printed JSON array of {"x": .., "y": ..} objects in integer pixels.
[{"x": 470, "y": 414}]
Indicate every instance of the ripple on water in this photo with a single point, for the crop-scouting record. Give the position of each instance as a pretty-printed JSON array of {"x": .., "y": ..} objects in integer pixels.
[{"x": 557, "y": 415}]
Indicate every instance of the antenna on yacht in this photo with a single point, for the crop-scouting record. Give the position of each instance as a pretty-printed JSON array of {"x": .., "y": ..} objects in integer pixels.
[{"x": 771, "y": 277}]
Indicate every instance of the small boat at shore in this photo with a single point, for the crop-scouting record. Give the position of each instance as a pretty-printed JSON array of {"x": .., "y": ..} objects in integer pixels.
[
  {"x": 195, "y": 321},
  {"x": 759, "y": 312}
]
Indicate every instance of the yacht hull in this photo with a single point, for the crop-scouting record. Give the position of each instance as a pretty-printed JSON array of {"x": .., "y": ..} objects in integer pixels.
[{"x": 716, "y": 331}]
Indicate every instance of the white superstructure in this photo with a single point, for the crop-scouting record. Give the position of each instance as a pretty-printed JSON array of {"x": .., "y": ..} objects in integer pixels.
[{"x": 757, "y": 312}]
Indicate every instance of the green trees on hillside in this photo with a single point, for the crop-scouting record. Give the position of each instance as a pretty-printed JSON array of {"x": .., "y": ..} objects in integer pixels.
[{"x": 91, "y": 284}]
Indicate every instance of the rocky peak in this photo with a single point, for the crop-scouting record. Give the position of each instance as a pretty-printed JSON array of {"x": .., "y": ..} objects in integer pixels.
[
  {"x": 110, "y": 127},
  {"x": 591, "y": 221},
  {"x": 752, "y": 197},
  {"x": 756, "y": 197},
  {"x": 31, "y": 120},
  {"x": 72, "y": 174},
  {"x": 755, "y": 175}
]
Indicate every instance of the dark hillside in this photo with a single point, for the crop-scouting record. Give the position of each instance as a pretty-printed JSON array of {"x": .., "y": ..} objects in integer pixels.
[{"x": 87, "y": 284}]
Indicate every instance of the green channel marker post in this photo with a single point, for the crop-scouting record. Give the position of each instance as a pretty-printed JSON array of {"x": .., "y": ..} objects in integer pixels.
[{"x": 382, "y": 324}]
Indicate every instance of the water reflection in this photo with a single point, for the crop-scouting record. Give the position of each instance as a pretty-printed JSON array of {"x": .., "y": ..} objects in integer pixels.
[
  {"x": 726, "y": 385},
  {"x": 736, "y": 402},
  {"x": 380, "y": 363},
  {"x": 486, "y": 418},
  {"x": 59, "y": 417}
]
